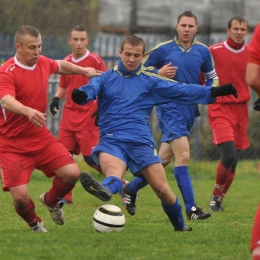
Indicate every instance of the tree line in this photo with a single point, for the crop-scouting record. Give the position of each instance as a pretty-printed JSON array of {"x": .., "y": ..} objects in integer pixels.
[{"x": 51, "y": 17}]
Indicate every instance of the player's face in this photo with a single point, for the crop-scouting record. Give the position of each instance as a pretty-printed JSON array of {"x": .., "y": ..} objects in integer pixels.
[
  {"x": 238, "y": 31},
  {"x": 186, "y": 29},
  {"x": 131, "y": 56},
  {"x": 29, "y": 49},
  {"x": 78, "y": 42}
]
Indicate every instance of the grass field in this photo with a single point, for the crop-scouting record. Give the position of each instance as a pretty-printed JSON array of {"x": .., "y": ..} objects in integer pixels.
[{"x": 148, "y": 234}]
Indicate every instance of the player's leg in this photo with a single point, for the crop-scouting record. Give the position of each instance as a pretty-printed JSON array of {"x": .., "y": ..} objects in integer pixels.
[
  {"x": 255, "y": 236},
  {"x": 57, "y": 162},
  {"x": 16, "y": 170},
  {"x": 156, "y": 177},
  {"x": 113, "y": 169},
  {"x": 229, "y": 157},
  {"x": 166, "y": 153},
  {"x": 181, "y": 151},
  {"x": 25, "y": 208},
  {"x": 68, "y": 139}
]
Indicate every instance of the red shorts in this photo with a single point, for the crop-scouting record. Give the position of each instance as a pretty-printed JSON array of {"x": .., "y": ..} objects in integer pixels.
[
  {"x": 255, "y": 237},
  {"x": 79, "y": 141},
  {"x": 17, "y": 167},
  {"x": 229, "y": 122}
]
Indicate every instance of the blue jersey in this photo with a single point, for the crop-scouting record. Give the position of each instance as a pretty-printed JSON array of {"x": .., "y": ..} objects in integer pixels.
[
  {"x": 190, "y": 62},
  {"x": 126, "y": 101},
  {"x": 176, "y": 118}
]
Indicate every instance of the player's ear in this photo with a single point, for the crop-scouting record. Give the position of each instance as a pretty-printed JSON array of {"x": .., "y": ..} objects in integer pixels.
[{"x": 17, "y": 45}]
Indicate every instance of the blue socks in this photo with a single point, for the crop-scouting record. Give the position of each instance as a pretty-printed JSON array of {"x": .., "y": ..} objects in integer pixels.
[
  {"x": 136, "y": 184},
  {"x": 175, "y": 215},
  {"x": 184, "y": 183},
  {"x": 113, "y": 184}
]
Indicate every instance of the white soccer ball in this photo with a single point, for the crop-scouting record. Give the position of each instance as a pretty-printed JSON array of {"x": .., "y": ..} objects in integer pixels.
[{"x": 109, "y": 218}]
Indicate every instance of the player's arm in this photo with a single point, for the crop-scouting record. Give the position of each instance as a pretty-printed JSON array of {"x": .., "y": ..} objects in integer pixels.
[
  {"x": 66, "y": 67},
  {"x": 208, "y": 69},
  {"x": 9, "y": 103},
  {"x": 84, "y": 94}
]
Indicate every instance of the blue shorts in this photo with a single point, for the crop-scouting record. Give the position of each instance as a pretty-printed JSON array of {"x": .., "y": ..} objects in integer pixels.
[
  {"x": 135, "y": 155},
  {"x": 175, "y": 120}
]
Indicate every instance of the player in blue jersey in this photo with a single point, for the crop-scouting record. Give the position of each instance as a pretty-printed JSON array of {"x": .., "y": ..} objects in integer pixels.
[
  {"x": 127, "y": 95},
  {"x": 182, "y": 59}
]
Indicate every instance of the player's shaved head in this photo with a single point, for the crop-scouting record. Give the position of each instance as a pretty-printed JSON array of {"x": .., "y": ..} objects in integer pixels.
[
  {"x": 134, "y": 41},
  {"x": 26, "y": 30}
]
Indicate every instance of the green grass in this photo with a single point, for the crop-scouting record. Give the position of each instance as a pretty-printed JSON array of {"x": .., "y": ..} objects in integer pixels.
[{"x": 148, "y": 234}]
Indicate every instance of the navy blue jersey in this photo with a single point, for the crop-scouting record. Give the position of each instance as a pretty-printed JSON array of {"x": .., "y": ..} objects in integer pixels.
[{"x": 126, "y": 101}]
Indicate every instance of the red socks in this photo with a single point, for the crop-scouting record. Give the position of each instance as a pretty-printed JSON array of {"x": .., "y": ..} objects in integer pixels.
[
  {"x": 222, "y": 175},
  {"x": 58, "y": 191},
  {"x": 229, "y": 181},
  {"x": 28, "y": 214}
]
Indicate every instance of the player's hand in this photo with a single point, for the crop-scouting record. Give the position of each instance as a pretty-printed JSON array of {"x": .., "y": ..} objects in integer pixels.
[
  {"x": 91, "y": 72},
  {"x": 95, "y": 114},
  {"x": 224, "y": 90},
  {"x": 78, "y": 96},
  {"x": 257, "y": 105},
  {"x": 36, "y": 117},
  {"x": 168, "y": 71},
  {"x": 54, "y": 104}
]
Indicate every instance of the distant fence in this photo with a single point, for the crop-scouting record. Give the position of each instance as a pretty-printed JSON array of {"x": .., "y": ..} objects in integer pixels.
[{"x": 107, "y": 46}]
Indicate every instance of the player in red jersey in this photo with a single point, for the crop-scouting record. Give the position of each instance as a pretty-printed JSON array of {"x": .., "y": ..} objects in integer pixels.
[
  {"x": 78, "y": 130},
  {"x": 253, "y": 80},
  {"x": 25, "y": 141},
  {"x": 229, "y": 128}
]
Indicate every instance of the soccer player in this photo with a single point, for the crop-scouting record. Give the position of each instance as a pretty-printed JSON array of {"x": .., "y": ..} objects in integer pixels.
[
  {"x": 182, "y": 59},
  {"x": 253, "y": 80},
  {"x": 229, "y": 128},
  {"x": 25, "y": 141},
  {"x": 78, "y": 130},
  {"x": 127, "y": 95}
]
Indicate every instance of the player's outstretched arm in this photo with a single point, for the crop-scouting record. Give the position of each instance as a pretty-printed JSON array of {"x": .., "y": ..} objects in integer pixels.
[
  {"x": 224, "y": 90},
  {"x": 66, "y": 67}
]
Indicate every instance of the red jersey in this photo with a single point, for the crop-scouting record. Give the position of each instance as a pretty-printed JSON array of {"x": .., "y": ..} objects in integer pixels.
[
  {"x": 74, "y": 116},
  {"x": 29, "y": 86},
  {"x": 254, "y": 48},
  {"x": 230, "y": 65}
]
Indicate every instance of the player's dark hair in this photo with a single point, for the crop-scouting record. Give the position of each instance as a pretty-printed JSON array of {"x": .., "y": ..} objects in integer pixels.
[
  {"x": 78, "y": 28},
  {"x": 134, "y": 41},
  {"x": 26, "y": 30},
  {"x": 237, "y": 18},
  {"x": 187, "y": 14}
]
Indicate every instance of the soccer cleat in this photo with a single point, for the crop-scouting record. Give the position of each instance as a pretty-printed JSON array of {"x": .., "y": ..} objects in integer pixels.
[
  {"x": 184, "y": 229},
  {"x": 122, "y": 194},
  {"x": 39, "y": 228},
  {"x": 130, "y": 200},
  {"x": 56, "y": 213},
  {"x": 197, "y": 213},
  {"x": 93, "y": 187},
  {"x": 215, "y": 203}
]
